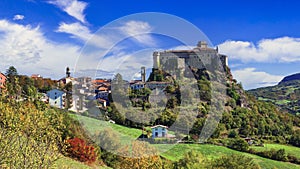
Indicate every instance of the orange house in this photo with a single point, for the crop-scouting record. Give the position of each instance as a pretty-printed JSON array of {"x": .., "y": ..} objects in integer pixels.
[{"x": 2, "y": 80}]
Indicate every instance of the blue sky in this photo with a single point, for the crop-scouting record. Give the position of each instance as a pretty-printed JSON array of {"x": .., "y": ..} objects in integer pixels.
[{"x": 261, "y": 38}]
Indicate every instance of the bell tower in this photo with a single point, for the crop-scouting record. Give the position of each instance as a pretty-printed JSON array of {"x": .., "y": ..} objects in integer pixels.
[{"x": 68, "y": 72}]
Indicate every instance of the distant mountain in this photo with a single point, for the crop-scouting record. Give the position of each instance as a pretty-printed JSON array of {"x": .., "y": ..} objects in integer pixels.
[
  {"x": 290, "y": 78},
  {"x": 286, "y": 94}
]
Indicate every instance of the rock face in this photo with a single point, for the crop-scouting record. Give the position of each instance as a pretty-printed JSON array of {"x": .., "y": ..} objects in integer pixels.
[{"x": 290, "y": 78}]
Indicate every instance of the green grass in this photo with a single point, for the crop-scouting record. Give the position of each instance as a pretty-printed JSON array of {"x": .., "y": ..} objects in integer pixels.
[
  {"x": 213, "y": 152},
  {"x": 94, "y": 126},
  {"x": 66, "y": 162},
  {"x": 288, "y": 149}
]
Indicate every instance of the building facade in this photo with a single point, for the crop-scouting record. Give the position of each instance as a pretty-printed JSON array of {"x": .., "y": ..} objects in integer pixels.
[
  {"x": 159, "y": 131},
  {"x": 56, "y": 98},
  {"x": 2, "y": 81}
]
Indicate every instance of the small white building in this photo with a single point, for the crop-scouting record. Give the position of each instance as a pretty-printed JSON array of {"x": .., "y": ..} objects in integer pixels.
[
  {"x": 159, "y": 131},
  {"x": 137, "y": 85},
  {"x": 56, "y": 98}
]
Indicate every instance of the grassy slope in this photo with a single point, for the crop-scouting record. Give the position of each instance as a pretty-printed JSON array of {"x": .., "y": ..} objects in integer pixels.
[
  {"x": 288, "y": 149},
  {"x": 93, "y": 126},
  {"x": 212, "y": 151},
  {"x": 176, "y": 152},
  {"x": 66, "y": 162}
]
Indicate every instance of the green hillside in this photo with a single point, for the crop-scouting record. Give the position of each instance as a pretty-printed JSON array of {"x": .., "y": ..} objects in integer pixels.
[
  {"x": 176, "y": 152},
  {"x": 289, "y": 149},
  {"x": 286, "y": 95},
  {"x": 213, "y": 151}
]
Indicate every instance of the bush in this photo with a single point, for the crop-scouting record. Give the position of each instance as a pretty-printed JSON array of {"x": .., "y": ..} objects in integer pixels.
[
  {"x": 234, "y": 161},
  {"x": 232, "y": 134},
  {"x": 239, "y": 144},
  {"x": 79, "y": 150},
  {"x": 295, "y": 139}
]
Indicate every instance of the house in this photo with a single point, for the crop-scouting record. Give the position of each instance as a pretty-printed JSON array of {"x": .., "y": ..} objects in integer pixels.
[
  {"x": 137, "y": 85},
  {"x": 56, "y": 98},
  {"x": 36, "y": 76},
  {"x": 2, "y": 80},
  {"x": 102, "y": 95},
  {"x": 159, "y": 131},
  {"x": 249, "y": 140}
]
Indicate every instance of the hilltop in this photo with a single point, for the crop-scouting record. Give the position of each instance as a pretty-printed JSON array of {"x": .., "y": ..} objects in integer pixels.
[
  {"x": 290, "y": 78},
  {"x": 286, "y": 94}
]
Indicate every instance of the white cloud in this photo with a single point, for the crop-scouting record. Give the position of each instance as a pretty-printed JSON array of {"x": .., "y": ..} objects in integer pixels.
[
  {"x": 284, "y": 49},
  {"x": 138, "y": 30},
  {"x": 74, "y": 8},
  {"x": 75, "y": 29},
  {"x": 27, "y": 49},
  {"x": 18, "y": 17},
  {"x": 83, "y": 33},
  {"x": 251, "y": 78}
]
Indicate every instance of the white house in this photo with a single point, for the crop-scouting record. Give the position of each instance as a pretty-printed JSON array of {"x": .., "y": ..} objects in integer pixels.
[
  {"x": 159, "y": 131},
  {"x": 56, "y": 98},
  {"x": 137, "y": 85}
]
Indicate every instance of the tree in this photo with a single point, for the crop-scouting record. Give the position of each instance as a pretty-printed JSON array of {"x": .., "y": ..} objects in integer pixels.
[
  {"x": 29, "y": 138},
  {"x": 239, "y": 144},
  {"x": 232, "y": 134},
  {"x": 13, "y": 87},
  {"x": 11, "y": 71},
  {"x": 81, "y": 151},
  {"x": 295, "y": 139},
  {"x": 234, "y": 161},
  {"x": 192, "y": 160},
  {"x": 140, "y": 155}
]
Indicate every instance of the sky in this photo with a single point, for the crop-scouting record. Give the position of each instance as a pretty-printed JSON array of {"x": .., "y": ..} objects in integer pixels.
[{"x": 98, "y": 37}]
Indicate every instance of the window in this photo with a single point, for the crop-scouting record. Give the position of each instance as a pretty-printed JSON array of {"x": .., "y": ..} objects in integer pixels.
[
  {"x": 55, "y": 102},
  {"x": 55, "y": 97}
]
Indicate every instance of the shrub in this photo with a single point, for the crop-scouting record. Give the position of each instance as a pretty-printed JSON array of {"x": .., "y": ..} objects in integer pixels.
[
  {"x": 239, "y": 144},
  {"x": 232, "y": 134},
  {"x": 79, "y": 150},
  {"x": 234, "y": 161}
]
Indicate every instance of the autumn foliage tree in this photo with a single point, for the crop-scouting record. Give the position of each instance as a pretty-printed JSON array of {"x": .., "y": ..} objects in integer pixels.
[
  {"x": 81, "y": 151},
  {"x": 139, "y": 155},
  {"x": 29, "y": 138}
]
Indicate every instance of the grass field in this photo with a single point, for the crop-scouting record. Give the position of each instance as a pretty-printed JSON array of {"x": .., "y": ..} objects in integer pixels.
[
  {"x": 68, "y": 163},
  {"x": 176, "y": 152},
  {"x": 65, "y": 162},
  {"x": 288, "y": 149},
  {"x": 213, "y": 151},
  {"x": 93, "y": 126}
]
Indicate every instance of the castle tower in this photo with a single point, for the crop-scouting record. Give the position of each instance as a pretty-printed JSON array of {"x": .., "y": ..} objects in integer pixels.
[
  {"x": 202, "y": 45},
  {"x": 143, "y": 74},
  {"x": 156, "y": 60}
]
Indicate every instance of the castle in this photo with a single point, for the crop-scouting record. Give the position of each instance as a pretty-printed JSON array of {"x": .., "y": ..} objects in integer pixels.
[{"x": 201, "y": 57}]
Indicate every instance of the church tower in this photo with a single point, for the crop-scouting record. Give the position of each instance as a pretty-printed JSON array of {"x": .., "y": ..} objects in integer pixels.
[{"x": 68, "y": 72}]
